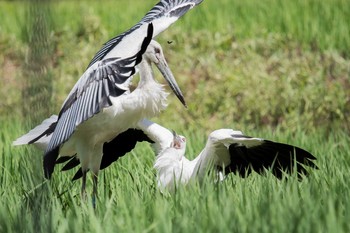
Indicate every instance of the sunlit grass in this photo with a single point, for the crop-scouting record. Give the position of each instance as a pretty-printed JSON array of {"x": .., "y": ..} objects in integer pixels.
[
  {"x": 130, "y": 202},
  {"x": 313, "y": 23}
]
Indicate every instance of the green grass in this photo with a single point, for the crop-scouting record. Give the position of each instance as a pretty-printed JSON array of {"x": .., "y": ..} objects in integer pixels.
[
  {"x": 130, "y": 202},
  {"x": 314, "y": 23},
  {"x": 274, "y": 69}
]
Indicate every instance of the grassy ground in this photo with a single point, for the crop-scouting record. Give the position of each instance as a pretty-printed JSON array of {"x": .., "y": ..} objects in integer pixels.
[
  {"x": 130, "y": 202},
  {"x": 275, "y": 69}
]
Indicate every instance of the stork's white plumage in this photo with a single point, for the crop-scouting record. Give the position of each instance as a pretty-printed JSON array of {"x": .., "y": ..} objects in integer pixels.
[
  {"x": 171, "y": 165},
  {"x": 100, "y": 105}
]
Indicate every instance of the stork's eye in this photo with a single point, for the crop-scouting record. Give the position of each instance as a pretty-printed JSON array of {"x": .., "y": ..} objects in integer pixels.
[{"x": 156, "y": 50}]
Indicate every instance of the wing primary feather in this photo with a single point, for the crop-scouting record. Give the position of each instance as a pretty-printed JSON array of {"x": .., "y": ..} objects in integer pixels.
[
  {"x": 69, "y": 102},
  {"x": 178, "y": 12},
  {"x": 78, "y": 174},
  {"x": 71, "y": 164},
  {"x": 63, "y": 159},
  {"x": 80, "y": 114},
  {"x": 83, "y": 107},
  {"x": 278, "y": 157},
  {"x": 94, "y": 99}
]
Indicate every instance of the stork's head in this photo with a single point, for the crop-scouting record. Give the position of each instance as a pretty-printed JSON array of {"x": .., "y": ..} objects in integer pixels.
[
  {"x": 179, "y": 143},
  {"x": 154, "y": 54}
]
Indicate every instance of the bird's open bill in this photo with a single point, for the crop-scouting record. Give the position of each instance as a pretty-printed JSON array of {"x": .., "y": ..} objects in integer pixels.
[
  {"x": 176, "y": 141},
  {"x": 163, "y": 67},
  {"x": 173, "y": 143}
]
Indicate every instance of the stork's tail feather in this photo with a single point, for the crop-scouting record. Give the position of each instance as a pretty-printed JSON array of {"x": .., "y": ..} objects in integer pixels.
[
  {"x": 50, "y": 161},
  {"x": 78, "y": 174},
  {"x": 63, "y": 159},
  {"x": 40, "y": 135},
  {"x": 71, "y": 164}
]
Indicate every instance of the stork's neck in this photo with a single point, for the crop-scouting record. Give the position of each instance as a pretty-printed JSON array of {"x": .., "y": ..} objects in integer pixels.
[
  {"x": 150, "y": 94},
  {"x": 146, "y": 73}
]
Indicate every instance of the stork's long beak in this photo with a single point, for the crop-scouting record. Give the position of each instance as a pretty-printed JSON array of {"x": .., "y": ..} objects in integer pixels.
[
  {"x": 163, "y": 67},
  {"x": 174, "y": 133},
  {"x": 175, "y": 143}
]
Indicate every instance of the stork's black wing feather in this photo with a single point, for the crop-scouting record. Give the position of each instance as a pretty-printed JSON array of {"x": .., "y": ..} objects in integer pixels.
[
  {"x": 121, "y": 145},
  {"x": 63, "y": 159},
  {"x": 278, "y": 157},
  {"x": 113, "y": 150},
  {"x": 73, "y": 162}
]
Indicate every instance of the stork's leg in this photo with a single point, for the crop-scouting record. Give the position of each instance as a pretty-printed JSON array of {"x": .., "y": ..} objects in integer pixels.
[
  {"x": 83, "y": 185},
  {"x": 95, "y": 163},
  {"x": 94, "y": 189}
]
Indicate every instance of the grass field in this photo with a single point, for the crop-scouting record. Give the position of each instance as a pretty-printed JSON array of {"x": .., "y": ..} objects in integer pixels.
[
  {"x": 274, "y": 69},
  {"x": 130, "y": 202}
]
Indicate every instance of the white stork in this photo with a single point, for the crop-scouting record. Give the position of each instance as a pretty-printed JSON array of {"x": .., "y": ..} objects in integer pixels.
[
  {"x": 100, "y": 105},
  {"x": 226, "y": 151}
]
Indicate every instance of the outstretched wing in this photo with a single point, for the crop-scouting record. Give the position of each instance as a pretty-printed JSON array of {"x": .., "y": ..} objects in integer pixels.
[
  {"x": 90, "y": 95},
  {"x": 257, "y": 154},
  {"x": 162, "y": 15}
]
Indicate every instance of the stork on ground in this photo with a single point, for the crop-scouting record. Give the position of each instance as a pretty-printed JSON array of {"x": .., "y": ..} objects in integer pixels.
[
  {"x": 100, "y": 105},
  {"x": 226, "y": 151},
  {"x": 229, "y": 151}
]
